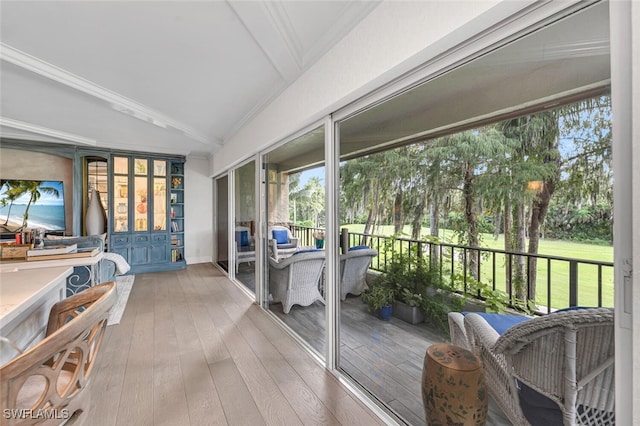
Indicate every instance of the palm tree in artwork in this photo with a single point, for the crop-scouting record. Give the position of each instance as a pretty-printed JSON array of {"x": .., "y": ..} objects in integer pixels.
[
  {"x": 35, "y": 189},
  {"x": 13, "y": 191}
]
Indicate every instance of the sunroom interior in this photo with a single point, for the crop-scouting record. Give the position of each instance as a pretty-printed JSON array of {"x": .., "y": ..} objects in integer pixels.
[{"x": 561, "y": 61}]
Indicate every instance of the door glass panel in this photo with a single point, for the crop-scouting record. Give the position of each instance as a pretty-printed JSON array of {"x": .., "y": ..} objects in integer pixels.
[
  {"x": 443, "y": 206},
  {"x": 295, "y": 212},
  {"x": 120, "y": 194},
  {"x": 222, "y": 221},
  {"x": 245, "y": 225},
  {"x": 140, "y": 166},
  {"x": 121, "y": 203},
  {"x": 140, "y": 201},
  {"x": 159, "y": 168},
  {"x": 159, "y": 204}
]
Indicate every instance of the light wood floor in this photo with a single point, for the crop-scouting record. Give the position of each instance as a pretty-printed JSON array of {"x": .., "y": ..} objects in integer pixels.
[{"x": 192, "y": 349}]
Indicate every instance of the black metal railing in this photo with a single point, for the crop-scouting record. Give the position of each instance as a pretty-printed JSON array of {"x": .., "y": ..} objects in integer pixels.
[{"x": 552, "y": 281}]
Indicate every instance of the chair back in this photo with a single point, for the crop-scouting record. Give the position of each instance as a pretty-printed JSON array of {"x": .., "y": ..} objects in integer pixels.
[
  {"x": 569, "y": 357},
  {"x": 353, "y": 270},
  {"x": 54, "y": 375}
]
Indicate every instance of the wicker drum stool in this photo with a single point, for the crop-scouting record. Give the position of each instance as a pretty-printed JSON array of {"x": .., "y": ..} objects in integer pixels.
[{"x": 453, "y": 387}]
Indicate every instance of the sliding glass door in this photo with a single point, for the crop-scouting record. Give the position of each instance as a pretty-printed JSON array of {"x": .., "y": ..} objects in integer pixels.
[
  {"x": 295, "y": 217},
  {"x": 245, "y": 225}
]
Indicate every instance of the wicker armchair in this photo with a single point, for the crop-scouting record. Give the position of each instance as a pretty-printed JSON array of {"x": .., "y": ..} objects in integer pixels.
[
  {"x": 353, "y": 271},
  {"x": 567, "y": 357},
  {"x": 294, "y": 281},
  {"x": 281, "y": 247},
  {"x": 49, "y": 381}
]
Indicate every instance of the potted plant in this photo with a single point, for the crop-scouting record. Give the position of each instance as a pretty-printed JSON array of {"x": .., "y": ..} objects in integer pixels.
[{"x": 379, "y": 299}]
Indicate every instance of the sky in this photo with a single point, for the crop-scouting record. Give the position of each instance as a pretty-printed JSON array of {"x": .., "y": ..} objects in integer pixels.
[{"x": 45, "y": 198}]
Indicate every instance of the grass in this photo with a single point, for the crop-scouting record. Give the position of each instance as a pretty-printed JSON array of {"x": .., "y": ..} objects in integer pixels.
[{"x": 559, "y": 279}]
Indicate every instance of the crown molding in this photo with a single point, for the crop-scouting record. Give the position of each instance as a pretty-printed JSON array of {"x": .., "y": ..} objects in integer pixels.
[
  {"x": 116, "y": 101},
  {"x": 45, "y": 131}
]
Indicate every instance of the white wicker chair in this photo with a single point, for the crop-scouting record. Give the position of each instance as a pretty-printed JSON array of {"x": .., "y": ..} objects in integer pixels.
[
  {"x": 244, "y": 254},
  {"x": 279, "y": 251},
  {"x": 353, "y": 271},
  {"x": 457, "y": 332},
  {"x": 567, "y": 356},
  {"x": 294, "y": 281}
]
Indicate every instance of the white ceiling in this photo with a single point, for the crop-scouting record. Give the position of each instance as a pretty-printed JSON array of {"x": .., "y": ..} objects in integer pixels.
[{"x": 174, "y": 77}]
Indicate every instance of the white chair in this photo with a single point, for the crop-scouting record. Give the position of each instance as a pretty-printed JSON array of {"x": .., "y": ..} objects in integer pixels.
[
  {"x": 281, "y": 242},
  {"x": 245, "y": 247},
  {"x": 564, "y": 359},
  {"x": 295, "y": 280},
  {"x": 353, "y": 271}
]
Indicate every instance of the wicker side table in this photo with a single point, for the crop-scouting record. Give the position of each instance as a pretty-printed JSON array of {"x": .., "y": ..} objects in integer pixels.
[{"x": 453, "y": 387}]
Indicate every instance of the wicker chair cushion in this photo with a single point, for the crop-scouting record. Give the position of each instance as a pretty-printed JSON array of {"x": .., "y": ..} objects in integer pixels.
[
  {"x": 281, "y": 236},
  {"x": 242, "y": 238},
  {"x": 359, "y": 248},
  {"x": 501, "y": 322},
  {"x": 306, "y": 251}
]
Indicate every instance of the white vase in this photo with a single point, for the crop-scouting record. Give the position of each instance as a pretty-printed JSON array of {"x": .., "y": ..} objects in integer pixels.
[{"x": 96, "y": 218}]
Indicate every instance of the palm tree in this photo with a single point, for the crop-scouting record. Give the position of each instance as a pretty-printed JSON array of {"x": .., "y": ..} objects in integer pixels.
[
  {"x": 35, "y": 189},
  {"x": 13, "y": 192}
]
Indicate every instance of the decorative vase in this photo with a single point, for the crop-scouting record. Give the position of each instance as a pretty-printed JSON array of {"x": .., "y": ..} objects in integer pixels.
[
  {"x": 384, "y": 313},
  {"x": 96, "y": 218}
]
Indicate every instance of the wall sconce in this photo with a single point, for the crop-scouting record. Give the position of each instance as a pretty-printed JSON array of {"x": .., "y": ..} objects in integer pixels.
[{"x": 535, "y": 185}]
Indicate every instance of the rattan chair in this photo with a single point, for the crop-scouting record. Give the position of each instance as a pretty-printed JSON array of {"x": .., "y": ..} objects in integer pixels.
[
  {"x": 48, "y": 383},
  {"x": 353, "y": 271},
  {"x": 296, "y": 279},
  {"x": 282, "y": 249},
  {"x": 567, "y": 357}
]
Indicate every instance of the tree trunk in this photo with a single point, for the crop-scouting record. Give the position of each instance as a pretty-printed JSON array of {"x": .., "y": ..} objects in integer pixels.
[
  {"x": 471, "y": 218},
  {"x": 418, "y": 215},
  {"x": 508, "y": 242},
  {"x": 397, "y": 213},
  {"x": 434, "y": 217},
  {"x": 520, "y": 242}
]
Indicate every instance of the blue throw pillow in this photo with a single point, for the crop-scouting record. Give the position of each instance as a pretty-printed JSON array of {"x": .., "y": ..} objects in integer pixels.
[
  {"x": 242, "y": 237},
  {"x": 281, "y": 236},
  {"x": 358, "y": 248}
]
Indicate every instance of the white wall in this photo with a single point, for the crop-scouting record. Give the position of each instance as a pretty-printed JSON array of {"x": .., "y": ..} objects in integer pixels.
[
  {"x": 198, "y": 227},
  {"x": 392, "y": 39}
]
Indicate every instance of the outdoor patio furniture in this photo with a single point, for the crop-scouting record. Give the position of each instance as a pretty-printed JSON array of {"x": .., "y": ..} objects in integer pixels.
[
  {"x": 54, "y": 375},
  {"x": 353, "y": 271},
  {"x": 244, "y": 247},
  {"x": 281, "y": 242},
  {"x": 295, "y": 280},
  {"x": 555, "y": 369}
]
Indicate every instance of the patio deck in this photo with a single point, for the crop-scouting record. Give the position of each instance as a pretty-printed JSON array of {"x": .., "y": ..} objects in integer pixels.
[{"x": 385, "y": 357}]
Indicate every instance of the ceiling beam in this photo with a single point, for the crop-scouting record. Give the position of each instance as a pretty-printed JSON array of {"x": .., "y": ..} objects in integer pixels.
[
  {"x": 114, "y": 100},
  {"x": 45, "y": 131}
]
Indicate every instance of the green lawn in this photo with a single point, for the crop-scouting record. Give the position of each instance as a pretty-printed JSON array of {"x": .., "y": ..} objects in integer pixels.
[{"x": 587, "y": 274}]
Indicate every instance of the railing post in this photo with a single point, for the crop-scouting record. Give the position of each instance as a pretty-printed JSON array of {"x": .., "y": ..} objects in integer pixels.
[
  {"x": 573, "y": 283},
  {"x": 344, "y": 240}
]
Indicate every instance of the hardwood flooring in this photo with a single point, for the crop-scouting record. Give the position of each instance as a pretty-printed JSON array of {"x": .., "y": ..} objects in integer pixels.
[{"x": 191, "y": 349}]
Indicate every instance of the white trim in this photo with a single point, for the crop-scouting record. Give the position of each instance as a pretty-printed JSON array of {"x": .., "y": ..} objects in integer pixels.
[
  {"x": 626, "y": 162},
  {"x": 45, "y": 131},
  {"x": 332, "y": 256},
  {"x": 118, "y": 102}
]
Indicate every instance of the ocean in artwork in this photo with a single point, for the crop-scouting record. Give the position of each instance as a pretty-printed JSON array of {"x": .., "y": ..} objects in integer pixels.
[{"x": 47, "y": 216}]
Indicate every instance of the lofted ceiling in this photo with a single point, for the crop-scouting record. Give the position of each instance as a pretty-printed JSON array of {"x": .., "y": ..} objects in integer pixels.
[{"x": 176, "y": 77}]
